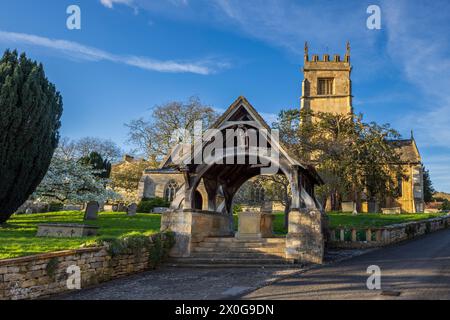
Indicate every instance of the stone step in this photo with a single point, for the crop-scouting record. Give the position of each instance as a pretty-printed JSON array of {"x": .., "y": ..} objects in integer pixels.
[
  {"x": 234, "y": 240},
  {"x": 237, "y": 255},
  {"x": 233, "y": 261},
  {"x": 280, "y": 249},
  {"x": 231, "y": 265},
  {"x": 239, "y": 245}
]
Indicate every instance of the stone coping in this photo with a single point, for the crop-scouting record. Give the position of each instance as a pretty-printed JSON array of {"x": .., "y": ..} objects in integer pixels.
[
  {"x": 69, "y": 225},
  {"x": 48, "y": 255}
]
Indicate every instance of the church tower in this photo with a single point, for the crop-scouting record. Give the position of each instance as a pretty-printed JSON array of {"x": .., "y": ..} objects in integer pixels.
[{"x": 326, "y": 85}]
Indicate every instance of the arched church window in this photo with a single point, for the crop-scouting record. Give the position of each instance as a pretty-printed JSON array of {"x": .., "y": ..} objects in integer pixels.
[
  {"x": 171, "y": 190},
  {"x": 399, "y": 186},
  {"x": 258, "y": 194}
]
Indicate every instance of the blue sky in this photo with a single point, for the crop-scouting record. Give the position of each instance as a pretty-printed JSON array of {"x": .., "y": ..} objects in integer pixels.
[{"x": 133, "y": 54}]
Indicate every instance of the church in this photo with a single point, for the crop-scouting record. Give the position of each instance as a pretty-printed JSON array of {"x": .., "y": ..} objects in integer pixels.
[{"x": 326, "y": 87}]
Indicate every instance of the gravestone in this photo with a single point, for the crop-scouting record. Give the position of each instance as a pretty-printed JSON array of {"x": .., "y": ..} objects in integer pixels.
[
  {"x": 131, "y": 209},
  {"x": 65, "y": 230},
  {"x": 29, "y": 211},
  {"x": 267, "y": 207},
  {"x": 121, "y": 207},
  {"x": 249, "y": 225},
  {"x": 267, "y": 219},
  {"x": 91, "y": 210}
]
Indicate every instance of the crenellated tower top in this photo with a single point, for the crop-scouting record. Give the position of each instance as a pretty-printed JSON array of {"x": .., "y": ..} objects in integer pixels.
[{"x": 327, "y": 85}]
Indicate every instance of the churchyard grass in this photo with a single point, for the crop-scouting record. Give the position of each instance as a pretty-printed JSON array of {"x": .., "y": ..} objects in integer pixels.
[
  {"x": 363, "y": 220},
  {"x": 18, "y": 235}
]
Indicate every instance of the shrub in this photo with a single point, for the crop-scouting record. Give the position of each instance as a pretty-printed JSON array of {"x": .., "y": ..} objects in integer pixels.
[
  {"x": 146, "y": 205},
  {"x": 158, "y": 245},
  {"x": 445, "y": 206},
  {"x": 52, "y": 267},
  {"x": 55, "y": 206},
  {"x": 237, "y": 208},
  {"x": 161, "y": 245}
]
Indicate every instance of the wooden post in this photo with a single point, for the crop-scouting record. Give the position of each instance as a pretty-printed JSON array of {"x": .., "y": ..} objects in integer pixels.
[{"x": 342, "y": 234}]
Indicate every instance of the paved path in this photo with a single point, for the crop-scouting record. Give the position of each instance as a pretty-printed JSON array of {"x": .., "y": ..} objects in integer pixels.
[
  {"x": 182, "y": 284},
  {"x": 189, "y": 283},
  {"x": 419, "y": 269}
]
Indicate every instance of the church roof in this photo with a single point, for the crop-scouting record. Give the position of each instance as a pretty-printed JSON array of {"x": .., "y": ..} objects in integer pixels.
[{"x": 407, "y": 148}]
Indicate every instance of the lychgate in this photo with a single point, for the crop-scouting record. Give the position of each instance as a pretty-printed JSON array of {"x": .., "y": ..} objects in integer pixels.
[{"x": 194, "y": 219}]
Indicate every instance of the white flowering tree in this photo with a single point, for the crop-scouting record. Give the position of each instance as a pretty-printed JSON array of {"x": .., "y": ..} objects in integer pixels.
[{"x": 69, "y": 181}]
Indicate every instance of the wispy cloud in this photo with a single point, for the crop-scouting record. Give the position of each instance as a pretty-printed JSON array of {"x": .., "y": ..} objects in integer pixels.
[
  {"x": 77, "y": 50},
  {"x": 423, "y": 53},
  {"x": 110, "y": 3}
]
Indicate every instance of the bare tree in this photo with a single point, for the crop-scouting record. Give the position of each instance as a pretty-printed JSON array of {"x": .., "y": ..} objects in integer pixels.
[
  {"x": 76, "y": 149},
  {"x": 153, "y": 136},
  {"x": 108, "y": 149},
  {"x": 66, "y": 149}
]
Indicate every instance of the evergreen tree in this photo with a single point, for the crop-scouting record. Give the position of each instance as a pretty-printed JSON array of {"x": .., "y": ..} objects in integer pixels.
[
  {"x": 428, "y": 189},
  {"x": 30, "y": 112},
  {"x": 95, "y": 160}
]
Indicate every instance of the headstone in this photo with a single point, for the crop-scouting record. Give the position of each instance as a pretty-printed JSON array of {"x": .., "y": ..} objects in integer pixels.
[
  {"x": 121, "y": 207},
  {"x": 101, "y": 206},
  {"x": 29, "y": 211},
  {"x": 65, "y": 230},
  {"x": 267, "y": 207},
  {"x": 115, "y": 208},
  {"x": 267, "y": 224},
  {"x": 249, "y": 225},
  {"x": 347, "y": 206},
  {"x": 131, "y": 209},
  {"x": 91, "y": 210}
]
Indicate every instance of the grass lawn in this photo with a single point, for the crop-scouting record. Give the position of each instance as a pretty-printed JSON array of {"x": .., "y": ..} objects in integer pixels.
[
  {"x": 362, "y": 220},
  {"x": 17, "y": 237}
]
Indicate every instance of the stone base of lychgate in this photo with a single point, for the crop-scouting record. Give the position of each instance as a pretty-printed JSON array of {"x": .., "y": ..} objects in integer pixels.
[
  {"x": 180, "y": 223},
  {"x": 305, "y": 239},
  {"x": 192, "y": 226}
]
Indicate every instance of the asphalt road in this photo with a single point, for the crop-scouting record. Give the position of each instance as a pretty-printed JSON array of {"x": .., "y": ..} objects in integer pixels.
[{"x": 419, "y": 269}]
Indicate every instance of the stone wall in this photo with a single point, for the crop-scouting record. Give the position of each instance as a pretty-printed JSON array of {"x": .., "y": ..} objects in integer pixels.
[
  {"x": 46, "y": 274},
  {"x": 305, "y": 241},
  {"x": 353, "y": 238},
  {"x": 191, "y": 226}
]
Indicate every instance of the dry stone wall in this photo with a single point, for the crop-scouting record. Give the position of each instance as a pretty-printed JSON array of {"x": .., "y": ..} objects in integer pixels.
[
  {"x": 352, "y": 238},
  {"x": 47, "y": 274}
]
